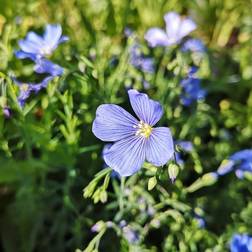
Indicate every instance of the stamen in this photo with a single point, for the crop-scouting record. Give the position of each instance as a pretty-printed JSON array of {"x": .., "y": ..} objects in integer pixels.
[
  {"x": 144, "y": 129},
  {"x": 24, "y": 87},
  {"x": 46, "y": 50}
]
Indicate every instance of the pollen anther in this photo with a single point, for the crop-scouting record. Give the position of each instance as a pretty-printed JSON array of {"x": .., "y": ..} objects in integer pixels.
[
  {"x": 143, "y": 129},
  {"x": 24, "y": 87}
]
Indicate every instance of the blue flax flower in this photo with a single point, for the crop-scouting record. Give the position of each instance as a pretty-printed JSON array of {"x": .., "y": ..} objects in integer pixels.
[
  {"x": 177, "y": 28},
  {"x": 241, "y": 243},
  {"x": 240, "y": 162},
  {"x": 135, "y": 140},
  {"x": 193, "y": 45},
  {"x": 191, "y": 89},
  {"x": 35, "y": 46},
  {"x": 142, "y": 63},
  {"x": 26, "y": 89}
]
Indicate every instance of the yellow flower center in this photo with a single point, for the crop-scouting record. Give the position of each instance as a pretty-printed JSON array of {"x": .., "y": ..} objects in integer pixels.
[
  {"x": 143, "y": 129},
  {"x": 24, "y": 87}
]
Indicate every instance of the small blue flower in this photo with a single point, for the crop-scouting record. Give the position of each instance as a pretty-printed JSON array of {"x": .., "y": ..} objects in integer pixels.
[
  {"x": 128, "y": 32},
  {"x": 46, "y": 66},
  {"x": 201, "y": 222},
  {"x": 7, "y": 112},
  {"x": 144, "y": 64},
  {"x": 176, "y": 29},
  {"x": 240, "y": 161},
  {"x": 193, "y": 45},
  {"x": 134, "y": 140},
  {"x": 35, "y": 46},
  {"x": 241, "y": 243},
  {"x": 26, "y": 89},
  {"x": 130, "y": 234},
  {"x": 186, "y": 146},
  {"x": 191, "y": 89}
]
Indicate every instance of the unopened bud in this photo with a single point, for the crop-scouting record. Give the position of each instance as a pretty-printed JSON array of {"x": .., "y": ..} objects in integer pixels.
[
  {"x": 173, "y": 170},
  {"x": 152, "y": 183}
]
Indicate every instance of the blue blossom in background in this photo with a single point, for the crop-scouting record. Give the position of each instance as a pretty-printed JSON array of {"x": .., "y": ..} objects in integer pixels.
[
  {"x": 130, "y": 234},
  {"x": 201, "y": 222},
  {"x": 7, "y": 112},
  {"x": 26, "y": 89},
  {"x": 145, "y": 64},
  {"x": 128, "y": 32},
  {"x": 146, "y": 84},
  {"x": 35, "y": 46},
  {"x": 241, "y": 243},
  {"x": 177, "y": 28},
  {"x": 193, "y": 45},
  {"x": 134, "y": 140},
  {"x": 240, "y": 162},
  {"x": 186, "y": 146},
  {"x": 191, "y": 89}
]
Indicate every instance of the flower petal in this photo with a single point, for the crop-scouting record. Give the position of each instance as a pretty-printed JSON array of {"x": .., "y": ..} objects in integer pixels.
[
  {"x": 23, "y": 55},
  {"x": 29, "y": 46},
  {"x": 112, "y": 123},
  {"x": 186, "y": 27},
  {"x": 52, "y": 35},
  {"x": 160, "y": 147},
  {"x": 63, "y": 39},
  {"x": 239, "y": 174},
  {"x": 172, "y": 22},
  {"x": 126, "y": 156},
  {"x": 242, "y": 155},
  {"x": 177, "y": 27},
  {"x": 156, "y": 37},
  {"x": 226, "y": 167},
  {"x": 34, "y": 38},
  {"x": 146, "y": 109},
  {"x": 46, "y": 66}
]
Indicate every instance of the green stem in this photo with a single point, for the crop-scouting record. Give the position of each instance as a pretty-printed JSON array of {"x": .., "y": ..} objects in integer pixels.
[{"x": 121, "y": 200}]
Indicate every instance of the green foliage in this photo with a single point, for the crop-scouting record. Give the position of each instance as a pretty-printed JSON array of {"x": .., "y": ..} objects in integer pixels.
[{"x": 48, "y": 153}]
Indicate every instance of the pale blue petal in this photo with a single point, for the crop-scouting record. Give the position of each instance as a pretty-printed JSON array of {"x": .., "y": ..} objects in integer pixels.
[
  {"x": 242, "y": 155},
  {"x": 186, "y": 27},
  {"x": 52, "y": 35},
  {"x": 160, "y": 146},
  {"x": 226, "y": 167},
  {"x": 46, "y": 81},
  {"x": 34, "y": 38},
  {"x": 173, "y": 22},
  {"x": 185, "y": 145},
  {"x": 126, "y": 156},
  {"x": 239, "y": 174},
  {"x": 156, "y": 37},
  {"x": 177, "y": 27},
  {"x": 63, "y": 39},
  {"x": 146, "y": 109},
  {"x": 113, "y": 123},
  {"x": 29, "y": 46},
  {"x": 24, "y": 55},
  {"x": 193, "y": 45},
  {"x": 46, "y": 66}
]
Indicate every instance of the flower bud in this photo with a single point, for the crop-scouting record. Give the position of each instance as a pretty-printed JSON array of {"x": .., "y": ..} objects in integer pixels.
[{"x": 173, "y": 170}]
